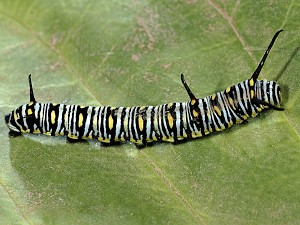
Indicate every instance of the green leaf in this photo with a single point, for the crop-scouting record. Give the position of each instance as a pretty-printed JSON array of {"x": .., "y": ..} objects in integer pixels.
[{"x": 126, "y": 53}]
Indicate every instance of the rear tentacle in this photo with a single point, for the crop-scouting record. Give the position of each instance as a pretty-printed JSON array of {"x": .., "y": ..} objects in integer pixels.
[
  {"x": 190, "y": 93},
  {"x": 262, "y": 61},
  {"x": 194, "y": 104},
  {"x": 32, "y": 99}
]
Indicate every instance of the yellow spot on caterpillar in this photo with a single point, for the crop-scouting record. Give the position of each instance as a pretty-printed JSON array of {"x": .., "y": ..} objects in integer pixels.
[
  {"x": 252, "y": 93},
  {"x": 254, "y": 114},
  {"x": 251, "y": 82},
  {"x": 180, "y": 138},
  {"x": 16, "y": 117},
  {"x": 110, "y": 122},
  {"x": 53, "y": 116},
  {"x": 136, "y": 141},
  {"x": 228, "y": 89},
  {"x": 95, "y": 125},
  {"x": 125, "y": 123},
  {"x": 47, "y": 133},
  {"x": 95, "y": 121},
  {"x": 149, "y": 140},
  {"x": 217, "y": 128},
  {"x": 29, "y": 111},
  {"x": 195, "y": 113},
  {"x": 122, "y": 139},
  {"x": 72, "y": 136},
  {"x": 208, "y": 114},
  {"x": 217, "y": 109},
  {"x": 193, "y": 102},
  {"x": 170, "y": 105},
  {"x": 36, "y": 131},
  {"x": 80, "y": 120},
  {"x": 259, "y": 109},
  {"x": 213, "y": 97},
  {"x": 154, "y": 138},
  {"x": 238, "y": 121},
  {"x": 196, "y": 134},
  {"x": 169, "y": 139},
  {"x": 105, "y": 140},
  {"x": 141, "y": 123},
  {"x": 231, "y": 103},
  {"x": 170, "y": 120},
  {"x": 184, "y": 135},
  {"x": 30, "y": 103},
  {"x": 155, "y": 122},
  {"x": 139, "y": 142}
]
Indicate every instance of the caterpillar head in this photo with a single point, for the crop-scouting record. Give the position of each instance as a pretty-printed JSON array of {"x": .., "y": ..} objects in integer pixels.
[
  {"x": 268, "y": 91},
  {"x": 22, "y": 119}
]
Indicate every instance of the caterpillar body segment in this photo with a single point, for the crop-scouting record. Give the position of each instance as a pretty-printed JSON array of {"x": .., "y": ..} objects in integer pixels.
[{"x": 171, "y": 122}]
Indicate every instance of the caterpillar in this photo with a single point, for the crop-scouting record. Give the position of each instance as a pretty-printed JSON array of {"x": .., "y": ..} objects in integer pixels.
[{"x": 171, "y": 122}]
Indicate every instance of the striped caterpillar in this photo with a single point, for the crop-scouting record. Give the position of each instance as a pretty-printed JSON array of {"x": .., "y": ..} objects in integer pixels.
[{"x": 171, "y": 122}]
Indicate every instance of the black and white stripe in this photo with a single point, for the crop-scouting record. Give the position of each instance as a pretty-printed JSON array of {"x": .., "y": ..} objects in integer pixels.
[{"x": 141, "y": 125}]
